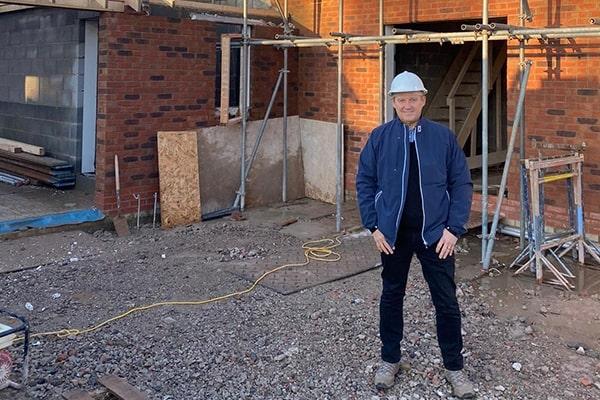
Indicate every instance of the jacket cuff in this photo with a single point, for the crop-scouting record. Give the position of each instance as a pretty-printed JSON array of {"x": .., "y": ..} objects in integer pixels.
[{"x": 454, "y": 231}]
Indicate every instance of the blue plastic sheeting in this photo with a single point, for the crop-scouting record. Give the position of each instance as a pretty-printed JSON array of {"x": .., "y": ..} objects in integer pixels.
[{"x": 50, "y": 220}]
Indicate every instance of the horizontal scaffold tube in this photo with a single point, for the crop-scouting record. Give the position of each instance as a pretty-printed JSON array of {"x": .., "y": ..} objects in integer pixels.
[{"x": 456, "y": 37}]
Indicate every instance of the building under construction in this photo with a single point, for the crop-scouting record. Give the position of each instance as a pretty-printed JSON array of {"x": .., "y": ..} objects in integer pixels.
[
  {"x": 90, "y": 80},
  {"x": 117, "y": 114}
]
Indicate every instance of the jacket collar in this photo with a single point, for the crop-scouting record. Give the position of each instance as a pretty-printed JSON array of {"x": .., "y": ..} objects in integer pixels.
[{"x": 419, "y": 126}]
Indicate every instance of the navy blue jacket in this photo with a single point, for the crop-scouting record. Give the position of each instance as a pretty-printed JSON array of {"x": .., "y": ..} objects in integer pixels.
[{"x": 444, "y": 177}]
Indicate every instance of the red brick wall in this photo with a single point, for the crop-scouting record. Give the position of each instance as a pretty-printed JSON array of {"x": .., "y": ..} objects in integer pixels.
[
  {"x": 266, "y": 61},
  {"x": 318, "y": 73},
  {"x": 563, "y": 93},
  {"x": 154, "y": 74}
]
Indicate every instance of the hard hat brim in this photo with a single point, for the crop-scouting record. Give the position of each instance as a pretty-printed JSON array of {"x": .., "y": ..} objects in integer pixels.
[{"x": 424, "y": 91}]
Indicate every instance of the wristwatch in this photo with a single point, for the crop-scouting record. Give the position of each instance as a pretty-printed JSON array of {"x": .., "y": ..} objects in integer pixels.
[{"x": 372, "y": 229}]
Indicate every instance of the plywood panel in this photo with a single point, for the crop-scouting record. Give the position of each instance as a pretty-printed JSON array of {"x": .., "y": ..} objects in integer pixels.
[{"x": 178, "y": 178}]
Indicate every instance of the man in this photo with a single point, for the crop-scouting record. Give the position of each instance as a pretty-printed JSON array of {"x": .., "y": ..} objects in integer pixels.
[{"x": 414, "y": 193}]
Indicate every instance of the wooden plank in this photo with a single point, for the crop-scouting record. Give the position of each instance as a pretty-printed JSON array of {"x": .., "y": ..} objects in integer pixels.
[
  {"x": 37, "y": 175},
  {"x": 439, "y": 99},
  {"x": 120, "y": 388},
  {"x": 25, "y": 147},
  {"x": 226, "y": 73},
  {"x": 38, "y": 160},
  {"x": 112, "y": 5},
  {"x": 498, "y": 116},
  {"x": 493, "y": 159},
  {"x": 10, "y": 148},
  {"x": 40, "y": 168},
  {"x": 100, "y": 3},
  {"x": 473, "y": 137},
  {"x": 225, "y": 67},
  {"x": 476, "y": 109},
  {"x": 4, "y": 8},
  {"x": 179, "y": 179},
  {"x": 219, "y": 8},
  {"x": 553, "y": 162},
  {"x": 134, "y": 4},
  {"x": 77, "y": 395}
]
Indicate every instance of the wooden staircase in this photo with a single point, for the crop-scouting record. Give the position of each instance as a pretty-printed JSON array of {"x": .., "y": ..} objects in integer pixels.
[{"x": 457, "y": 103}]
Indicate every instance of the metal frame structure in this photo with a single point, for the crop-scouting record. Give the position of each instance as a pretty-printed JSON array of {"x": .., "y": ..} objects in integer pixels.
[
  {"x": 22, "y": 326},
  {"x": 544, "y": 251},
  {"x": 483, "y": 32}
]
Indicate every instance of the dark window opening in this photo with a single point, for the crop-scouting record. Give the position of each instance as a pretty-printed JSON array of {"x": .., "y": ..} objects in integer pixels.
[{"x": 234, "y": 67}]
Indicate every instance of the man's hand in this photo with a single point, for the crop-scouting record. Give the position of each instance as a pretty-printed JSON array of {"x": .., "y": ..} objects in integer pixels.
[
  {"x": 381, "y": 244},
  {"x": 446, "y": 244}
]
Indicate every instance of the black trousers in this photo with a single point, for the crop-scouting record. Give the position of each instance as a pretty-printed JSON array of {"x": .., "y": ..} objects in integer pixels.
[{"x": 439, "y": 275}]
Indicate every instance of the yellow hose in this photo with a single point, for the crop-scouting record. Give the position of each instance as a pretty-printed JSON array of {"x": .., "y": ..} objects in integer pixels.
[{"x": 311, "y": 252}]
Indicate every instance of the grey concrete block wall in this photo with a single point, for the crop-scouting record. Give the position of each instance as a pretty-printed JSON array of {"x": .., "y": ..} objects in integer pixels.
[{"x": 41, "y": 78}]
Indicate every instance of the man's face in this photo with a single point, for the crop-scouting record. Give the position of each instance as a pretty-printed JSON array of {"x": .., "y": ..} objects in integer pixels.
[{"x": 409, "y": 106}]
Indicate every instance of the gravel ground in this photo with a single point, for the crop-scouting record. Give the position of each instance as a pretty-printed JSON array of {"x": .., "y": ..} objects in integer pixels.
[{"x": 321, "y": 343}]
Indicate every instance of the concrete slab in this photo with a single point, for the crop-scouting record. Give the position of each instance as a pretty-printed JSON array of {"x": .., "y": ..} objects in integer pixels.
[
  {"x": 219, "y": 161},
  {"x": 305, "y": 218},
  {"x": 318, "y": 157},
  {"x": 278, "y": 214},
  {"x": 32, "y": 201},
  {"x": 308, "y": 230}
]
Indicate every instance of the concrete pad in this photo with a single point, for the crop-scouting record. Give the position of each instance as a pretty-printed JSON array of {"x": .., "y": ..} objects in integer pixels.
[
  {"x": 319, "y": 158},
  {"x": 358, "y": 256},
  {"x": 308, "y": 230},
  {"x": 305, "y": 218},
  {"x": 302, "y": 209},
  {"x": 33, "y": 201},
  {"x": 219, "y": 161}
]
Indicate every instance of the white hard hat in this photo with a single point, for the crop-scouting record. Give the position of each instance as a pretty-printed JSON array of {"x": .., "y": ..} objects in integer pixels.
[{"x": 407, "y": 82}]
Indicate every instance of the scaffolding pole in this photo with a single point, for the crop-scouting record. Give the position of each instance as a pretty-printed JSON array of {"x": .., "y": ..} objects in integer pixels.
[
  {"x": 450, "y": 37},
  {"x": 487, "y": 256},
  {"x": 245, "y": 62},
  {"x": 483, "y": 32},
  {"x": 522, "y": 187},
  {"x": 340, "y": 130},
  {"x": 286, "y": 30},
  {"x": 382, "y": 96},
  {"x": 485, "y": 83}
]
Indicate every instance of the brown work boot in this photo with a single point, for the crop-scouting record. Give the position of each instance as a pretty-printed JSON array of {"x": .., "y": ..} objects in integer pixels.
[
  {"x": 386, "y": 374},
  {"x": 461, "y": 386}
]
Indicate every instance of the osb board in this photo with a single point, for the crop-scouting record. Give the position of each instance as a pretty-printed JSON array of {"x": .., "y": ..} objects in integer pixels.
[
  {"x": 178, "y": 178},
  {"x": 219, "y": 160},
  {"x": 318, "y": 156}
]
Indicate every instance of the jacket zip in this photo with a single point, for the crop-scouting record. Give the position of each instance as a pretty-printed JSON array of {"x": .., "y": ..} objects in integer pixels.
[
  {"x": 421, "y": 189},
  {"x": 377, "y": 196},
  {"x": 402, "y": 192}
]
